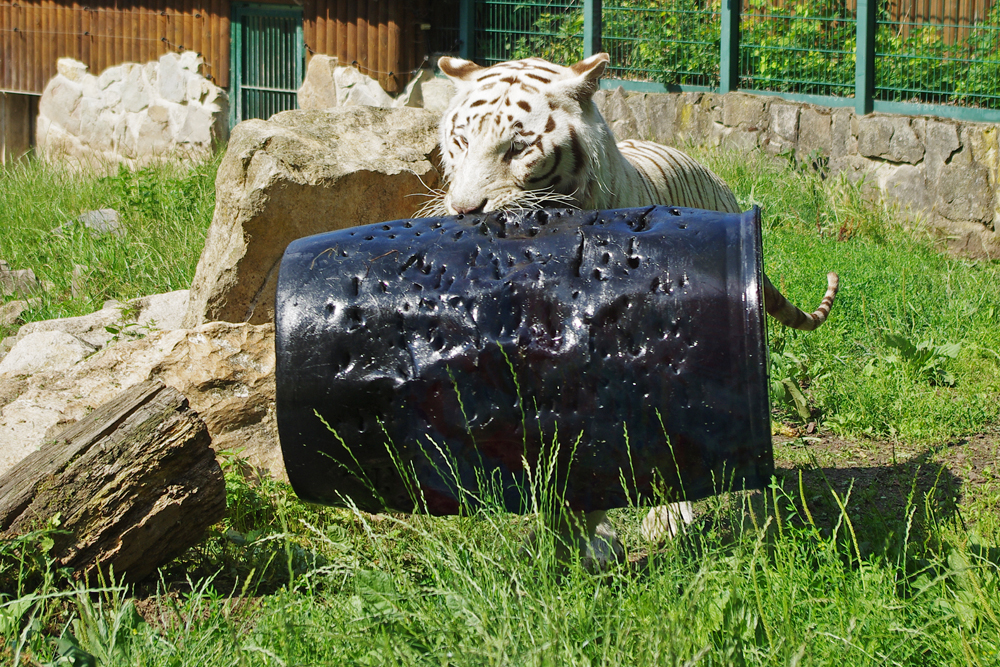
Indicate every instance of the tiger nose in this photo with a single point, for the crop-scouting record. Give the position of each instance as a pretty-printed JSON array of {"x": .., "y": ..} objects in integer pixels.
[{"x": 461, "y": 208}]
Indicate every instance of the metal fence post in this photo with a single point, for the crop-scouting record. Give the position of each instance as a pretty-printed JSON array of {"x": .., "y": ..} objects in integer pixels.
[
  {"x": 591, "y": 27},
  {"x": 729, "y": 51},
  {"x": 864, "y": 63},
  {"x": 467, "y": 29}
]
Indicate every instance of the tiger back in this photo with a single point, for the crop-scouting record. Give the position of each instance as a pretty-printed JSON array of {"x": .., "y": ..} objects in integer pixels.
[{"x": 526, "y": 134}]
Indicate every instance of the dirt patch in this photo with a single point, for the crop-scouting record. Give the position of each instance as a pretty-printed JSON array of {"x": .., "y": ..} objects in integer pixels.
[{"x": 889, "y": 482}]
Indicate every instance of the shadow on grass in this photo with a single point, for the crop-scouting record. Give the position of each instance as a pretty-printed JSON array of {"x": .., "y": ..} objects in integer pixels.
[{"x": 890, "y": 508}]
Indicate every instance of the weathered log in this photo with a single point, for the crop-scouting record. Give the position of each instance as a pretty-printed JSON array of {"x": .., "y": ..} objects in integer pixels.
[{"x": 133, "y": 484}]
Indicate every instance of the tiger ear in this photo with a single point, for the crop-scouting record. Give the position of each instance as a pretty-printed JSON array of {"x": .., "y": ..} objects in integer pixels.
[
  {"x": 588, "y": 75},
  {"x": 457, "y": 69}
]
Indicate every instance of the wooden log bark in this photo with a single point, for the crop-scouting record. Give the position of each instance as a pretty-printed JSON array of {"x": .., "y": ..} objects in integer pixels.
[{"x": 133, "y": 484}]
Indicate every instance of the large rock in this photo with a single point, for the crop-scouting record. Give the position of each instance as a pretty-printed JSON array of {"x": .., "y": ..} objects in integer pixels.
[
  {"x": 225, "y": 370},
  {"x": 318, "y": 90},
  {"x": 327, "y": 85},
  {"x": 303, "y": 173},
  {"x": 116, "y": 320},
  {"x": 130, "y": 114},
  {"x": 44, "y": 350}
]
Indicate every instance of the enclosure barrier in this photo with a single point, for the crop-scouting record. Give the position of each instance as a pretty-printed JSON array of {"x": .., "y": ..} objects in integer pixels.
[{"x": 905, "y": 56}]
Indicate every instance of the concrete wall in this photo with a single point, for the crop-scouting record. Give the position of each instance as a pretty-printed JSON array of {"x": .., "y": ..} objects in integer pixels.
[
  {"x": 941, "y": 171},
  {"x": 17, "y": 125}
]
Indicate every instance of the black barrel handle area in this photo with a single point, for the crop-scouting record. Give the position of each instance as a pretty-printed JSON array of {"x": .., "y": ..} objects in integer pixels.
[{"x": 441, "y": 364}]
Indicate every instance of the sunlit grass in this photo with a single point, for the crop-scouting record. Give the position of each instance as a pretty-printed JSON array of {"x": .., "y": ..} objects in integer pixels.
[
  {"x": 894, "y": 282},
  {"x": 164, "y": 211}
]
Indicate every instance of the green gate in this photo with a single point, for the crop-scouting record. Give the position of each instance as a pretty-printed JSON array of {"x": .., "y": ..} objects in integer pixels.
[{"x": 267, "y": 60}]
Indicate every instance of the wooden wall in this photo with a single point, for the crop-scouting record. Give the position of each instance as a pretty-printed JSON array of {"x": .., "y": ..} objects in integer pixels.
[
  {"x": 103, "y": 33},
  {"x": 17, "y": 125},
  {"x": 382, "y": 38},
  {"x": 950, "y": 13}
]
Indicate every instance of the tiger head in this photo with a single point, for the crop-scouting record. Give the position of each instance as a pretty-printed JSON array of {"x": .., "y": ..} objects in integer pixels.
[{"x": 521, "y": 134}]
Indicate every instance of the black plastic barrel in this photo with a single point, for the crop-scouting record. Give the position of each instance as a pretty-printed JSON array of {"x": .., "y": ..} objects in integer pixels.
[{"x": 417, "y": 358}]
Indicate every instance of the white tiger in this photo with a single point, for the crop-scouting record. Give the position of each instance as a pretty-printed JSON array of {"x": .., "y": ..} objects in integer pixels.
[{"x": 526, "y": 134}]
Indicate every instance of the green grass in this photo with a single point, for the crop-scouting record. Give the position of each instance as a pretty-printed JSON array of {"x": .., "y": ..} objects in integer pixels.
[
  {"x": 165, "y": 212},
  {"x": 896, "y": 285},
  {"x": 804, "y": 574}
]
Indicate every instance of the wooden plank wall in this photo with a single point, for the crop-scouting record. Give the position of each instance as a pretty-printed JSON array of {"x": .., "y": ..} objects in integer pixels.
[
  {"x": 17, "y": 125},
  {"x": 949, "y": 13},
  {"x": 103, "y": 33},
  {"x": 382, "y": 38}
]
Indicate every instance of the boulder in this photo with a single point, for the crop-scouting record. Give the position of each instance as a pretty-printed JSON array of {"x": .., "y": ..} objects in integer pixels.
[
  {"x": 52, "y": 351},
  {"x": 437, "y": 94},
  {"x": 318, "y": 91},
  {"x": 226, "y": 371},
  {"x": 91, "y": 328},
  {"x": 302, "y": 173}
]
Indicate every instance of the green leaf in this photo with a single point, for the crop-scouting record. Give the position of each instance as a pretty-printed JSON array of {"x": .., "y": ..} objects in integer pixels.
[
  {"x": 798, "y": 398},
  {"x": 68, "y": 647}
]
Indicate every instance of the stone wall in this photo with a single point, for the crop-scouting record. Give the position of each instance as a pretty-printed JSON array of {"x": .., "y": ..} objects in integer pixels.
[
  {"x": 940, "y": 171},
  {"x": 131, "y": 114}
]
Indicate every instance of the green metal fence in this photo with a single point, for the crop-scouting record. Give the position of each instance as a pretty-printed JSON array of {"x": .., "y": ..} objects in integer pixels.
[
  {"x": 512, "y": 30},
  {"x": 678, "y": 41},
  {"x": 945, "y": 63},
  {"x": 789, "y": 50},
  {"x": 267, "y": 60},
  {"x": 832, "y": 52}
]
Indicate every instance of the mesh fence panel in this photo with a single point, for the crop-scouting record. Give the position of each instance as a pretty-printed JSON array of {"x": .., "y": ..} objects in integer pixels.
[
  {"x": 939, "y": 59},
  {"x": 804, "y": 47},
  {"x": 667, "y": 42},
  {"x": 513, "y": 30},
  {"x": 929, "y": 51}
]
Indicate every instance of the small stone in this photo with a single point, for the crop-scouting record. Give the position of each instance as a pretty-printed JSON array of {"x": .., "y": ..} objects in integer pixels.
[
  {"x": 102, "y": 221},
  {"x": 785, "y": 121},
  {"x": 874, "y": 134},
  {"x": 190, "y": 61},
  {"x": 78, "y": 281},
  {"x": 318, "y": 90},
  {"x": 91, "y": 329},
  {"x": 10, "y": 312},
  {"x": 815, "y": 134},
  {"x": 357, "y": 89},
  {"x": 111, "y": 75},
  {"x": 963, "y": 192},
  {"x": 99, "y": 222},
  {"x": 747, "y": 112},
  {"x": 135, "y": 91},
  {"x": 905, "y": 146},
  {"x": 161, "y": 311},
  {"x": 437, "y": 94},
  {"x": 19, "y": 281}
]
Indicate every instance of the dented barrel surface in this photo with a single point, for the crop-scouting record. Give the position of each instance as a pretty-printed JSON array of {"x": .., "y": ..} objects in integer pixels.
[{"x": 466, "y": 349}]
